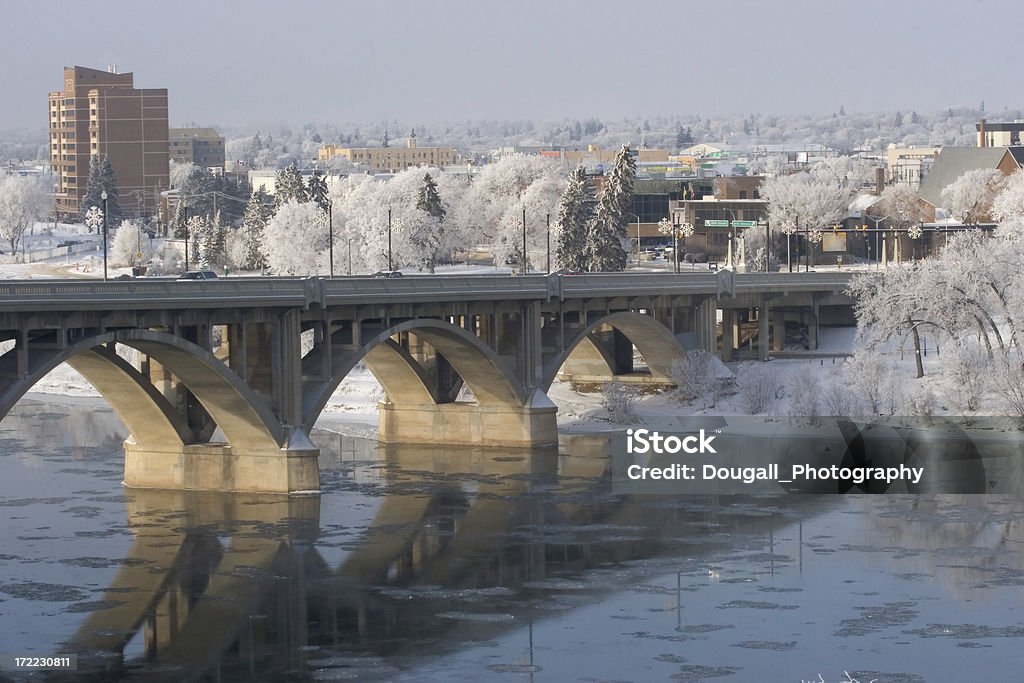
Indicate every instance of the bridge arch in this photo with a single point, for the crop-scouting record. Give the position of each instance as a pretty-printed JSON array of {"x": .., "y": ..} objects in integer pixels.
[
  {"x": 403, "y": 378},
  {"x": 655, "y": 342},
  {"x": 152, "y": 420}
]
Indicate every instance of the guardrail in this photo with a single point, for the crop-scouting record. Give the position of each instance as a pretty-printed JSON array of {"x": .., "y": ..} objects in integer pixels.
[{"x": 22, "y": 295}]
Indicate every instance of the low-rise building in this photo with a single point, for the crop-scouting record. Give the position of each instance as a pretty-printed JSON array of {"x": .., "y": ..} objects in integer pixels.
[
  {"x": 203, "y": 147},
  {"x": 1008, "y": 134},
  {"x": 392, "y": 159}
]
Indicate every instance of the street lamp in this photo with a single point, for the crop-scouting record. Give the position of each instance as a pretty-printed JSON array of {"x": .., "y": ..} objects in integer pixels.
[
  {"x": 523, "y": 266},
  {"x": 103, "y": 196},
  {"x": 94, "y": 219},
  {"x": 549, "y": 243},
  {"x": 637, "y": 236},
  {"x": 878, "y": 251},
  {"x": 184, "y": 227},
  {"x": 326, "y": 220},
  {"x": 389, "y": 240},
  {"x": 789, "y": 227}
]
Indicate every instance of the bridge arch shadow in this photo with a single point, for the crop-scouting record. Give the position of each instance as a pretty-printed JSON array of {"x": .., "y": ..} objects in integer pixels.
[
  {"x": 163, "y": 449},
  {"x": 408, "y": 359},
  {"x": 603, "y": 351}
]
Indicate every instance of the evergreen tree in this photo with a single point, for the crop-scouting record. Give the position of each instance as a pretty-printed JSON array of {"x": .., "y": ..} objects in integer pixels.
[
  {"x": 429, "y": 238},
  {"x": 575, "y": 212},
  {"x": 608, "y": 229},
  {"x": 178, "y": 222},
  {"x": 387, "y": 141},
  {"x": 209, "y": 241},
  {"x": 316, "y": 190},
  {"x": 288, "y": 185},
  {"x": 101, "y": 178},
  {"x": 428, "y": 200},
  {"x": 109, "y": 180},
  {"x": 198, "y": 191},
  {"x": 254, "y": 222}
]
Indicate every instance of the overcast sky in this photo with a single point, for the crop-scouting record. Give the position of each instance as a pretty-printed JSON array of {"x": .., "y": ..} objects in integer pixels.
[{"x": 299, "y": 61}]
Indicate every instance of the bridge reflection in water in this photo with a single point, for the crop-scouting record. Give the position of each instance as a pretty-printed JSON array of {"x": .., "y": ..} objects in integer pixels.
[{"x": 463, "y": 547}]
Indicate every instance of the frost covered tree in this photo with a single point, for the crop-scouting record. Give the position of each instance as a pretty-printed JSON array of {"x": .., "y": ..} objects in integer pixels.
[
  {"x": 970, "y": 196},
  {"x": 210, "y": 241},
  {"x": 491, "y": 209},
  {"x": 1008, "y": 206},
  {"x": 254, "y": 222},
  {"x": 23, "y": 201},
  {"x": 131, "y": 245},
  {"x": 180, "y": 171},
  {"x": 428, "y": 234},
  {"x": 572, "y": 224},
  {"x": 811, "y": 200},
  {"x": 289, "y": 186},
  {"x": 101, "y": 179},
  {"x": 970, "y": 297},
  {"x": 295, "y": 240},
  {"x": 899, "y": 205},
  {"x": 607, "y": 235},
  {"x": 418, "y": 238},
  {"x": 316, "y": 189},
  {"x": 693, "y": 375},
  {"x": 206, "y": 241}
]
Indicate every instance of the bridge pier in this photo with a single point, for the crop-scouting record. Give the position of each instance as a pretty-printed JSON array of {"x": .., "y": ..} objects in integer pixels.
[
  {"x": 465, "y": 424},
  {"x": 217, "y": 467}
]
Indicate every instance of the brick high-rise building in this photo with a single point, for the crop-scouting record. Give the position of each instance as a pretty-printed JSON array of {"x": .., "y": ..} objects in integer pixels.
[{"x": 101, "y": 112}]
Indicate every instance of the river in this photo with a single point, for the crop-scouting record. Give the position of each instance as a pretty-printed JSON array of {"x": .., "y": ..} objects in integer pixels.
[{"x": 419, "y": 564}]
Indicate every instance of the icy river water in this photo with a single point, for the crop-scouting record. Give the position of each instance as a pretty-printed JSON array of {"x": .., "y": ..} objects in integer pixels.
[{"x": 425, "y": 565}]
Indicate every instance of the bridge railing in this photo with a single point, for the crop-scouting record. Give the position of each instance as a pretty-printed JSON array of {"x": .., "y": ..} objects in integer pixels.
[
  {"x": 433, "y": 288},
  {"x": 33, "y": 295},
  {"x": 29, "y": 295}
]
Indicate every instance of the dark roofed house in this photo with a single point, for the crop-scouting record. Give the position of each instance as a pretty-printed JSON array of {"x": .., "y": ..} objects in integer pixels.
[{"x": 953, "y": 162}]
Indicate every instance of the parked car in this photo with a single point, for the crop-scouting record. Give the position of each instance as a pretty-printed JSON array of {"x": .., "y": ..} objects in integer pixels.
[
  {"x": 198, "y": 275},
  {"x": 388, "y": 273}
]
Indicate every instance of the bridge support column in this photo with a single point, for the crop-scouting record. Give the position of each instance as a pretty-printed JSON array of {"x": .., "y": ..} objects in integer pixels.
[
  {"x": 762, "y": 330},
  {"x": 730, "y": 333},
  {"x": 705, "y": 326},
  {"x": 778, "y": 330},
  {"x": 217, "y": 467},
  {"x": 811, "y": 316},
  {"x": 468, "y": 424}
]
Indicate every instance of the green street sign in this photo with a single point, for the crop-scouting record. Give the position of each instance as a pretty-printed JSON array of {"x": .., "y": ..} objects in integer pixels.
[
  {"x": 716, "y": 224},
  {"x": 744, "y": 224}
]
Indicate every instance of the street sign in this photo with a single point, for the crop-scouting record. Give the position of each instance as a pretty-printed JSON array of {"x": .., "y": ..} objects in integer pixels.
[
  {"x": 744, "y": 224},
  {"x": 716, "y": 224}
]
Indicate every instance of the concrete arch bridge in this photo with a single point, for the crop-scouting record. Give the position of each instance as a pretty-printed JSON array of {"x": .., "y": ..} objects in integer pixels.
[{"x": 226, "y": 378}]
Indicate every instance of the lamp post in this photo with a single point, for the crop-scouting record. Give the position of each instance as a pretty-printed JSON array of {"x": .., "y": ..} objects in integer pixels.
[
  {"x": 549, "y": 243},
  {"x": 523, "y": 266},
  {"x": 184, "y": 227},
  {"x": 878, "y": 252},
  {"x": 767, "y": 247},
  {"x": 637, "y": 239},
  {"x": 789, "y": 227},
  {"x": 637, "y": 217},
  {"x": 389, "y": 240},
  {"x": 349, "y": 255},
  {"x": 103, "y": 196},
  {"x": 330, "y": 235}
]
